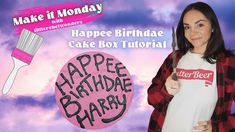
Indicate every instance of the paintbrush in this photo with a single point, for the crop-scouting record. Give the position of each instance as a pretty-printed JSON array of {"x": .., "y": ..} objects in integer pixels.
[
  {"x": 174, "y": 76},
  {"x": 27, "y": 45}
]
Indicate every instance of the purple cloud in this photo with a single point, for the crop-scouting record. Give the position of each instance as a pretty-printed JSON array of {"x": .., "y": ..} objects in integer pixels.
[
  {"x": 138, "y": 18},
  {"x": 46, "y": 102},
  {"x": 126, "y": 18},
  {"x": 23, "y": 102},
  {"x": 10, "y": 44},
  {"x": 6, "y": 9}
]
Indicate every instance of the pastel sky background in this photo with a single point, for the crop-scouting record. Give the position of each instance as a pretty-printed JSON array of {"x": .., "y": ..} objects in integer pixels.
[{"x": 30, "y": 106}]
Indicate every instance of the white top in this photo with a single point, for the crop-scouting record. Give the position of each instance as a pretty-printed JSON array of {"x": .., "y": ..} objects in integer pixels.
[{"x": 197, "y": 97}]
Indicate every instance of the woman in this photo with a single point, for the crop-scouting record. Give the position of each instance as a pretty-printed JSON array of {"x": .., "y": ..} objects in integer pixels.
[{"x": 201, "y": 98}]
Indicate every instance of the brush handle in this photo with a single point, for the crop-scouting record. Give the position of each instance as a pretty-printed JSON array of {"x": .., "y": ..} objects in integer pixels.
[
  {"x": 8, "y": 84},
  {"x": 174, "y": 77}
]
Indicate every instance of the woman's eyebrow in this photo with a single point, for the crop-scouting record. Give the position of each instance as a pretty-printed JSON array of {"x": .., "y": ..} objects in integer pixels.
[
  {"x": 196, "y": 21},
  {"x": 200, "y": 21}
]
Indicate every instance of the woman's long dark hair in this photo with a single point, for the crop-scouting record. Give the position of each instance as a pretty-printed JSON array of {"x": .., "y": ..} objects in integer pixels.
[{"x": 215, "y": 44}]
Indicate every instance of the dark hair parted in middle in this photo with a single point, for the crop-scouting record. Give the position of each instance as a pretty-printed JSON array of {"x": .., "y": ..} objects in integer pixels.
[{"x": 215, "y": 44}]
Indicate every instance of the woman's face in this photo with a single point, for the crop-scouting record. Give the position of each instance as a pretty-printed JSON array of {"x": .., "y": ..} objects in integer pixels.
[{"x": 197, "y": 29}]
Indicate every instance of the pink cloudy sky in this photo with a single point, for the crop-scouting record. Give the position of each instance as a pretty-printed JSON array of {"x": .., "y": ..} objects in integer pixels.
[{"x": 30, "y": 105}]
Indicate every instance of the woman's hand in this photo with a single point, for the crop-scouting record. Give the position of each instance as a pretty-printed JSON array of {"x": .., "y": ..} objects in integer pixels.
[
  {"x": 203, "y": 126},
  {"x": 172, "y": 86}
]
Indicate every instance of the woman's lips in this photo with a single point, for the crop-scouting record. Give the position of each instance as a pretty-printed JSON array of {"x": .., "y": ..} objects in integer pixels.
[{"x": 193, "y": 39}]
